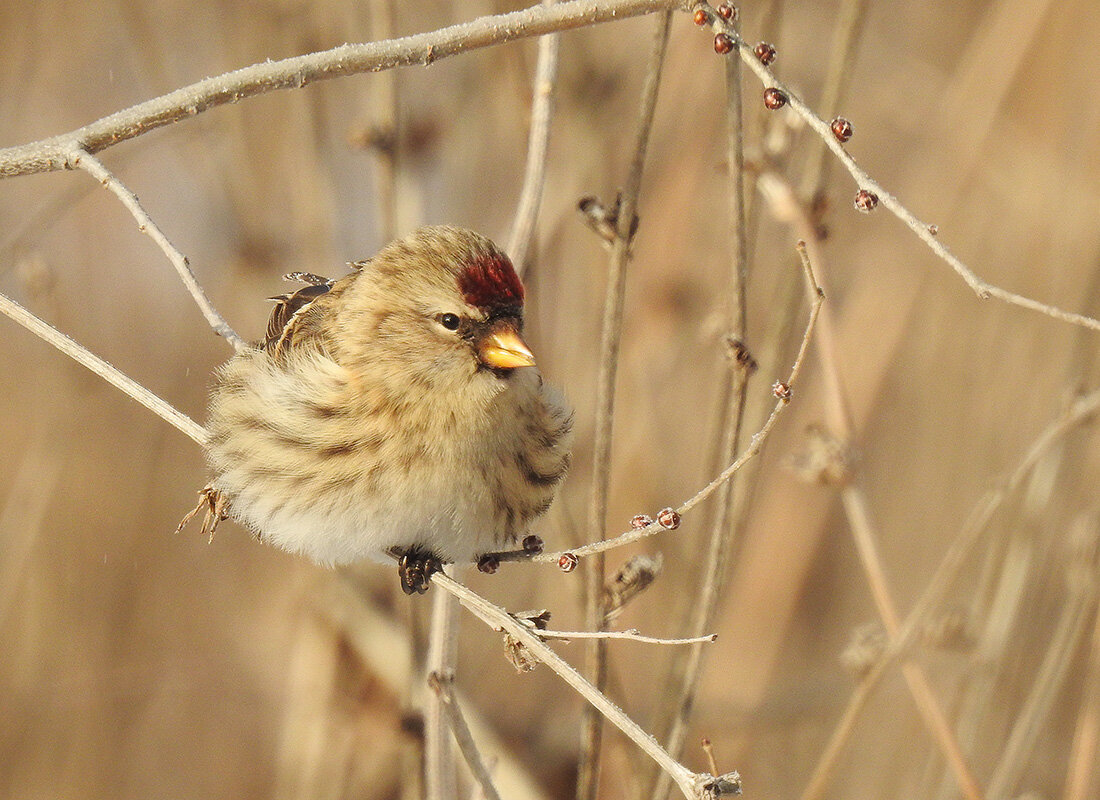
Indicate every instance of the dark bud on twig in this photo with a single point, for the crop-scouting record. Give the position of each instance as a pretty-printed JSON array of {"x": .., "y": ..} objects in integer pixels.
[
  {"x": 701, "y": 16},
  {"x": 488, "y": 564},
  {"x": 568, "y": 562},
  {"x": 710, "y": 787},
  {"x": 641, "y": 521},
  {"x": 842, "y": 129},
  {"x": 632, "y": 578},
  {"x": 782, "y": 391},
  {"x": 765, "y": 52},
  {"x": 604, "y": 220},
  {"x": 739, "y": 352},
  {"x": 866, "y": 201},
  {"x": 727, "y": 12},
  {"x": 723, "y": 43},
  {"x": 669, "y": 518},
  {"x": 934, "y": 230},
  {"x": 532, "y": 545},
  {"x": 774, "y": 98}
]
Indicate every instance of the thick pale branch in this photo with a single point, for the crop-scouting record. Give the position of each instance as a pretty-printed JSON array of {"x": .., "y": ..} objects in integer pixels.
[{"x": 293, "y": 73}]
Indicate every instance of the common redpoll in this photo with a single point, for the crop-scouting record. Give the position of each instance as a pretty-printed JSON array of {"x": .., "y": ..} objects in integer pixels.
[{"x": 393, "y": 412}]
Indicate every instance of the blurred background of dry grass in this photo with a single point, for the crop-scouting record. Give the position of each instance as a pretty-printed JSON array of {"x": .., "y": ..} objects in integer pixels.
[{"x": 141, "y": 664}]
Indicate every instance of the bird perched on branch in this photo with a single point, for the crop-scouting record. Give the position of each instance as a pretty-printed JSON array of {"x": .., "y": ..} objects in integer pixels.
[{"x": 394, "y": 412}]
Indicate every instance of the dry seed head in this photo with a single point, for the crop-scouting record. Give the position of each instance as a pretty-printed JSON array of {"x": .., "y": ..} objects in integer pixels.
[
  {"x": 782, "y": 391},
  {"x": 765, "y": 52},
  {"x": 866, "y": 201},
  {"x": 842, "y": 129},
  {"x": 774, "y": 98}
]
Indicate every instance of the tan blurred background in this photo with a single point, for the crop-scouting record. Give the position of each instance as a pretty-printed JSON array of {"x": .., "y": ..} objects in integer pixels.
[{"x": 136, "y": 664}]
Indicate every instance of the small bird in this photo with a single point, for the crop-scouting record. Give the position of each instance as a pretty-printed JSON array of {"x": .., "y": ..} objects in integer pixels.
[{"x": 395, "y": 412}]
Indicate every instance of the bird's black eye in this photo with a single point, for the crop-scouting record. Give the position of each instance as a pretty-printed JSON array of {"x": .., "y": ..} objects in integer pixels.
[{"x": 449, "y": 321}]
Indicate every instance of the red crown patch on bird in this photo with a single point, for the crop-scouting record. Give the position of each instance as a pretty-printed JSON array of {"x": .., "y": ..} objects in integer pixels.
[{"x": 490, "y": 281}]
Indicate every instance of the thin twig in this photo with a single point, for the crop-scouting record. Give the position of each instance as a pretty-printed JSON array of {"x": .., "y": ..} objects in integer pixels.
[
  {"x": 756, "y": 443},
  {"x": 500, "y": 619},
  {"x": 1076, "y": 613},
  {"x": 595, "y": 613},
  {"x": 112, "y": 375},
  {"x": 925, "y": 232},
  {"x": 631, "y": 634},
  {"x": 727, "y": 512},
  {"x": 444, "y": 687},
  {"x": 94, "y": 167},
  {"x": 944, "y": 576},
  {"x": 54, "y": 153},
  {"x": 538, "y": 143},
  {"x": 439, "y": 767}
]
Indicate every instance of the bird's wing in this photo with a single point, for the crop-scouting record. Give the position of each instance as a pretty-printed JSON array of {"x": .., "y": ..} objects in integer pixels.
[{"x": 286, "y": 326}]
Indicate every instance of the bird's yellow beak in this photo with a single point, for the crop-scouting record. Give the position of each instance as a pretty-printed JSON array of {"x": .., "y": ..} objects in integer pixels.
[{"x": 503, "y": 348}]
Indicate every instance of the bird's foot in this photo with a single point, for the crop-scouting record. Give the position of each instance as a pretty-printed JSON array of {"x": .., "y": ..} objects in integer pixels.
[
  {"x": 216, "y": 508},
  {"x": 415, "y": 568}
]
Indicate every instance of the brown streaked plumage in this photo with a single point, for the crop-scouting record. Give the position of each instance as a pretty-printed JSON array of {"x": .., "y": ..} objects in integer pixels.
[{"x": 395, "y": 410}]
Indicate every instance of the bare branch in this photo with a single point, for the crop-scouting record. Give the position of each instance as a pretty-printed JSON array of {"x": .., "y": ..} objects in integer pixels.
[
  {"x": 112, "y": 375},
  {"x": 293, "y": 73},
  {"x": 498, "y": 618},
  {"x": 444, "y": 688},
  {"x": 94, "y": 167},
  {"x": 611, "y": 333},
  {"x": 755, "y": 445},
  {"x": 924, "y": 231},
  {"x": 538, "y": 142}
]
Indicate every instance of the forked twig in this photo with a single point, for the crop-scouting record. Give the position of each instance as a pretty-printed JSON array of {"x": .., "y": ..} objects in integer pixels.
[
  {"x": 750, "y": 452},
  {"x": 691, "y": 784}
]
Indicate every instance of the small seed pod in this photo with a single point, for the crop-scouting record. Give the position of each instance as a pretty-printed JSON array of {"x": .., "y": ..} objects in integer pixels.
[
  {"x": 641, "y": 521},
  {"x": 532, "y": 545},
  {"x": 723, "y": 43},
  {"x": 701, "y": 17},
  {"x": 866, "y": 201},
  {"x": 765, "y": 52},
  {"x": 567, "y": 562},
  {"x": 842, "y": 129},
  {"x": 727, "y": 12},
  {"x": 781, "y": 390},
  {"x": 774, "y": 98},
  {"x": 669, "y": 518},
  {"x": 488, "y": 564}
]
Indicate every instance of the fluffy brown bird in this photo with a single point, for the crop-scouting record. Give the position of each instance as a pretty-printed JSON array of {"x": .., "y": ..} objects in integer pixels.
[{"x": 395, "y": 411}]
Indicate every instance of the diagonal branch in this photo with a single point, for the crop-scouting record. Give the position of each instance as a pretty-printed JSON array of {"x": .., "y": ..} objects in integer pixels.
[{"x": 94, "y": 167}]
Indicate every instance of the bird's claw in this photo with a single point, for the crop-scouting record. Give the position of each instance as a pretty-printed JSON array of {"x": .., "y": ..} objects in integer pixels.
[
  {"x": 216, "y": 508},
  {"x": 415, "y": 569}
]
